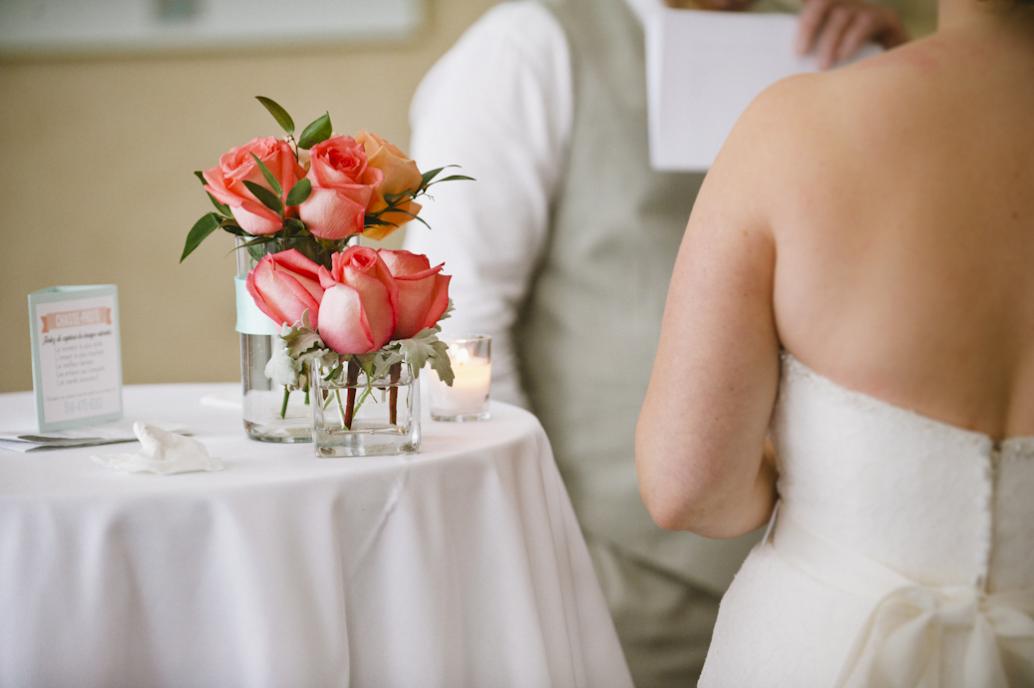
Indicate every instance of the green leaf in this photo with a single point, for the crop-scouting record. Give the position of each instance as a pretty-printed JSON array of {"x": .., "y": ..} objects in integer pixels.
[
  {"x": 412, "y": 216},
  {"x": 334, "y": 373},
  {"x": 268, "y": 198},
  {"x": 442, "y": 364},
  {"x": 200, "y": 175},
  {"x": 256, "y": 247},
  {"x": 425, "y": 347},
  {"x": 299, "y": 192},
  {"x": 302, "y": 340},
  {"x": 395, "y": 200},
  {"x": 199, "y": 232},
  {"x": 318, "y": 130},
  {"x": 431, "y": 174},
  {"x": 219, "y": 206},
  {"x": 258, "y": 251},
  {"x": 257, "y": 241},
  {"x": 374, "y": 220},
  {"x": 270, "y": 179},
  {"x": 454, "y": 178},
  {"x": 278, "y": 112}
]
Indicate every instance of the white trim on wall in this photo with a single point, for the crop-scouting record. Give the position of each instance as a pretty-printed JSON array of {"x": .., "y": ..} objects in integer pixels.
[{"x": 68, "y": 26}]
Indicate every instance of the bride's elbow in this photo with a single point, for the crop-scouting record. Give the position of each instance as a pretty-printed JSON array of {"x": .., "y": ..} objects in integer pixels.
[
  {"x": 673, "y": 498},
  {"x": 686, "y": 496},
  {"x": 704, "y": 517},
  {"x": 665, "y": 510}
]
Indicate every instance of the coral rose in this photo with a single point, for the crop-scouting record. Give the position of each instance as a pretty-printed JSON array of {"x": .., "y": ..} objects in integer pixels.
[
  {"x": 400, "y": 175},
  {"x": 226, "y": 181},
  {"x": 342, "y": 187},
  {"x": 423, "y": 291},
  {"x": 286, "y": 284},
  {"x": 360, "y": 305}
]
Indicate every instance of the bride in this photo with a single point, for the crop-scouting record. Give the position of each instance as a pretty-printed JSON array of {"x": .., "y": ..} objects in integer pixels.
[{"x": 857, "y": 279}]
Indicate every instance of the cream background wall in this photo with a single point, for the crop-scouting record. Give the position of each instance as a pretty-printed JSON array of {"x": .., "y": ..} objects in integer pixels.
[{"x": 96, "y": 155}]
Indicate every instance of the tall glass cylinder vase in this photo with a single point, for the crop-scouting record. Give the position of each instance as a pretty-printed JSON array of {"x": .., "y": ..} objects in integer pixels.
[{"x": 271, "y": 413}]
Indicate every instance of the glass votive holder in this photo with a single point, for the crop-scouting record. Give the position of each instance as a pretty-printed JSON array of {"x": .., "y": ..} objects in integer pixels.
[{"x": 467, "y": 399}]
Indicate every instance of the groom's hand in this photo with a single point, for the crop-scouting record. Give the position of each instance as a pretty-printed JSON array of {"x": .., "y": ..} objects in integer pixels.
[{"x": 837, "y": 29}]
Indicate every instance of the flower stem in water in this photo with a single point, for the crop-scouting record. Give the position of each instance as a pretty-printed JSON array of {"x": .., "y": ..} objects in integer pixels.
[
  {"x": 283, "y": 404},
  {"x": 341, "y": 410}
]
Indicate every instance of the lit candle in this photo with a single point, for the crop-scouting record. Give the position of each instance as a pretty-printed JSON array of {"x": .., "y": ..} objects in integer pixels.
[{"x": 467, "y": 398}]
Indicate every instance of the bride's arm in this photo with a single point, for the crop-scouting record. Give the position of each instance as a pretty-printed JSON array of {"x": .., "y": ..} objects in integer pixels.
[{"x": 701, "y": 433}]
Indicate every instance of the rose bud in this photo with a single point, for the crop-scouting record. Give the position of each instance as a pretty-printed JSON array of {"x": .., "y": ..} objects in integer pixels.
[
  {"x": 284, "y": 285},
  {"x": 226, "y": 182},
  {"x": 342, "y": 186},
  {"x": 360, "y": 304},
  {"x": 423, "y": 291}
]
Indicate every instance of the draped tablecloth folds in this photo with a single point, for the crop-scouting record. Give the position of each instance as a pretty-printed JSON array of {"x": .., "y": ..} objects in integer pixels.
[{"x": 459, "y": 566}]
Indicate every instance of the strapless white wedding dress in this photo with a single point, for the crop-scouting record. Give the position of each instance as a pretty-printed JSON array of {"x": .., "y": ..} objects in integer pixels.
[{"x": 901, "y": 553}]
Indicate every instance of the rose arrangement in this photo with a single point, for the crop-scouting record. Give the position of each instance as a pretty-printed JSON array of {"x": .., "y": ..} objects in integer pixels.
[{"x": 299, "y": 206}]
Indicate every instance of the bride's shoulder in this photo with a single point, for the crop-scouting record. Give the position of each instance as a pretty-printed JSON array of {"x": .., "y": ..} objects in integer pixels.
[
  {"x": 816, "y": 130},
  {"x": 871, "y": 93}
]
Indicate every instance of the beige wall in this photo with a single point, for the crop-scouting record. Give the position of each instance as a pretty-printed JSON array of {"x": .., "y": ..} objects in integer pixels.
[{"x": 96, "y": 182}]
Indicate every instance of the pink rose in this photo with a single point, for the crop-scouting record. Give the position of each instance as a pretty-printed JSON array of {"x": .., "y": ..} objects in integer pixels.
[
  {"x": 423, "y": 291},
  {"x": 342, "y": 186},
  {"x": 226, "y": 181},
  {"x": 284, "y": 285},
  {"x": 359, "y": 308}
]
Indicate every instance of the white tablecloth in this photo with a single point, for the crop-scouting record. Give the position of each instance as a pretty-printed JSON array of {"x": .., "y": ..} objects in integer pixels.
[{"x": 460, "y": 566}]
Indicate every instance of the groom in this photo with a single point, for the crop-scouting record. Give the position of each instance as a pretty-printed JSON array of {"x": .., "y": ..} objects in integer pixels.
[{"x": 563, "y": 252}]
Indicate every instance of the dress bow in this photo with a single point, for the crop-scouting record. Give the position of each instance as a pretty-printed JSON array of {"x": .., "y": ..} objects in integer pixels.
[{"x": 902, "y": 643}]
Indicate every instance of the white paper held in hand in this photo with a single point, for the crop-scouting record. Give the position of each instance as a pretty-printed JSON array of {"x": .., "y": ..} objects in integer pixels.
[{"x": 704, "y": 69}]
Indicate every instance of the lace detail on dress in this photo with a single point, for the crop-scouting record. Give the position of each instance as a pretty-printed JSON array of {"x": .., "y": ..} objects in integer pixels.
[
  {"x": 991, "y": 453},
  {"x": 793, "y": 367}
]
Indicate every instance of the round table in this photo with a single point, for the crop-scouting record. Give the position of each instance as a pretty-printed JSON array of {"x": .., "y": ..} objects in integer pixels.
[{"x": 462, "y": 565}]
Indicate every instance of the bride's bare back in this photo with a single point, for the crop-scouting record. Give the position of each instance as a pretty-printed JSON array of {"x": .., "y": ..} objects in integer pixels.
[
  {"x": 904, "y": 231},
  {"x": 877, "y": 222}
]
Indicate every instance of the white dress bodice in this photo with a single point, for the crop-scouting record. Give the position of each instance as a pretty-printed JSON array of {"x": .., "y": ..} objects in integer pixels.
[
  {"x": 940, "y": 504},
  {"x": 902, "y": 552}
]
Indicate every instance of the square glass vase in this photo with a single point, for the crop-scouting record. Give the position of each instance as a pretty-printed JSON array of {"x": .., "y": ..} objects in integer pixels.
[{"x": 354, "y": 416}]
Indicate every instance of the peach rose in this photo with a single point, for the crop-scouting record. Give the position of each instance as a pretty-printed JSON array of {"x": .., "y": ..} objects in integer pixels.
[
  {"x": 360, "y": 305},
  {"x": 423, "y": 291},
  {"x": 226, "y": 181},
  {"x": 284, "y": 285},
  {"x": 400, "y": 174},
  {"x": 342, "y": 187}
]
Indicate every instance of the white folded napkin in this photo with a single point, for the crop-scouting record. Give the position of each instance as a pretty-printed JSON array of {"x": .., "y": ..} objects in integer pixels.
[{"x": 162, "y": 452}]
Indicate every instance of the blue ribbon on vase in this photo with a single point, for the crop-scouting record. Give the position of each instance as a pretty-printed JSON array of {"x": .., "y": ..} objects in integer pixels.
[{"x": 250, "y": 320}]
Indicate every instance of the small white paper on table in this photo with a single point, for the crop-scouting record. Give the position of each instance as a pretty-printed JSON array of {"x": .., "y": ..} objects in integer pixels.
[
  {"x": 76, "y": 358},
  {"x": 704, "y": 69}
]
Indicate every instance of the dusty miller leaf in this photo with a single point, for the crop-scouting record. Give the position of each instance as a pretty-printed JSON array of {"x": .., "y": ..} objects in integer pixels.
[
  {"x": 442, "y": 364},
  {"x": 424, "y": 348}
]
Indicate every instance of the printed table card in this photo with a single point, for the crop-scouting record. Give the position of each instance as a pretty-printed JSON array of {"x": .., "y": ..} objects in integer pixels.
[{"x": 76, "y": 358}]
